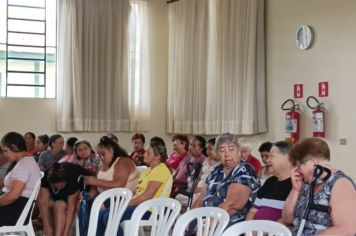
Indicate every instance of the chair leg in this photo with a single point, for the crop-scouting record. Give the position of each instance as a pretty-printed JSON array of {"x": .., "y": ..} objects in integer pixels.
[{"x": 76, "y": 225}]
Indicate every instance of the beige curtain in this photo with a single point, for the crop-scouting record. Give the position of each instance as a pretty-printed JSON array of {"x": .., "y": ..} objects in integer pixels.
[
  {"x": 187, "y": 73},
  {"x": 93, "y": 65},
  {"x": 139, "y": 73},
  {"x": 232, "y": 75}
]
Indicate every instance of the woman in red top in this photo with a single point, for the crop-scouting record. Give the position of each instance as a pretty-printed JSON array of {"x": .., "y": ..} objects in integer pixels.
[{"x": 180, "y": 150}]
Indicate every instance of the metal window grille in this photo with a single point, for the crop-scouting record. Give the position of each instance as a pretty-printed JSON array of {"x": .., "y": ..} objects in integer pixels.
[{"x": 28, "y": 53}]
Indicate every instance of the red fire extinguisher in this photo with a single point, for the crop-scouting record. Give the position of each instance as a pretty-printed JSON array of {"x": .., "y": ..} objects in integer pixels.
[
  {"x": 318, "y": 117},
  {"x": 292, "y": 127}
]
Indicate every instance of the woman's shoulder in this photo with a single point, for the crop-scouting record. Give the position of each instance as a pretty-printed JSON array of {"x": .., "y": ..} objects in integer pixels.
[
  {"x": 161, "y": 169},
  {"x": 124, "y": 162},
  {"x": 45, "y": 153},
  {"x": 342, "y": 180},
  {"x": 28, "y": 161},
  {"x": 244, "y": 168}
]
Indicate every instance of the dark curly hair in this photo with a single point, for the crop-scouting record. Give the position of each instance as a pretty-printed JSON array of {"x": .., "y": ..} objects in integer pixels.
[{"x": 118, "y": 151}]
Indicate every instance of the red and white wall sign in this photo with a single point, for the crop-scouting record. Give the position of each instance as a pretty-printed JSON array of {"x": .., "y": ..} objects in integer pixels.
[
  {"x": 298, "y": 90},
  {"x": 323, "y": 89}
]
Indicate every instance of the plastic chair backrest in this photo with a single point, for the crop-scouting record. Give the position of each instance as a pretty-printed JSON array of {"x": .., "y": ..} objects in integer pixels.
[
  {"x": 167, "y": 187},
  {"x": 140, "y": 169},
  {"x": 211, "y": 221},
  {"x": 164, "y": 211},
  {"x": 259, "y": 228},
  {"x": 27, "y": 211},
  {"x": 30, "y": 203},
  {"x": 119, "y": 199}
]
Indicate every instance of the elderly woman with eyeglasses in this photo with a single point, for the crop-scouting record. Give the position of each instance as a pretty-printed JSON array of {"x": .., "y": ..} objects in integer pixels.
[
  {"x": 335, "y": 195},
  {"x": 232, "y": 185}
]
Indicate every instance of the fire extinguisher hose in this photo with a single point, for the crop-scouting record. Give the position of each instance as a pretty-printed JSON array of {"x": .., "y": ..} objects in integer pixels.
[
  {"x": 293, "y": 107},
  {"x": 318, "y": 104}
]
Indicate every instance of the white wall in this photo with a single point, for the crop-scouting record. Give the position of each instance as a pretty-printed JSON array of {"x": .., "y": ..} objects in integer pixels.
[{"x": 332, "y": 58}]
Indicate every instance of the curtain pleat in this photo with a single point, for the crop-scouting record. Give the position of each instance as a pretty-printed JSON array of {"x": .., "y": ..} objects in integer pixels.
[
  {"x": 216, "y": 78},
  {"x": 95, "y": 83}
]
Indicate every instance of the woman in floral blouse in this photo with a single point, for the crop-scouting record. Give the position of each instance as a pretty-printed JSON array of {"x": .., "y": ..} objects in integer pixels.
[{"x": 232, "y": 185}]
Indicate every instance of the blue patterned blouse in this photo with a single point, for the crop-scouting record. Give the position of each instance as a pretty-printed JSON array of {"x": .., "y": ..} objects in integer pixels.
[{"x": 218, "y": 184}]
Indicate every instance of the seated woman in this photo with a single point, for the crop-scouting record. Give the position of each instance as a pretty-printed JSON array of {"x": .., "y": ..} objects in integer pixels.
[
  {"x": 180, "y": 150},
  {"x": 58, "y": 197},
  {"x": 265, "y": 171},
  {"x": 208, "y": 165},
  {"x": 197, "y": 154},
  {"x": 20, "y": 182},
  {"x": 138, "y": 143},
  {"x": 151, "y": 183},
  {"x": 30, "y": 139},
  {"x": 273, "y": 193},
  {"x": 41, "y": 145},
  {"x": 86, "y": 157},
  {"x": 69, "y": 150},
  {"x": 117, "y": 169},
  {"x": 337, "y": 193},
  {"x": 56, "y": 152},
  {"x": 233, "y": 185}
]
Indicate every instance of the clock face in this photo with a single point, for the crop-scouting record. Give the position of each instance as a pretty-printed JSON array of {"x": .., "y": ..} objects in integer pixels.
[{"x": 304, "y": 37}]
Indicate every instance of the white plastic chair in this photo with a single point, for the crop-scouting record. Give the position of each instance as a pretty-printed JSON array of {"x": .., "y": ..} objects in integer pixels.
[
  {"x": 140, "y": 169},
  {"x": 20, "y": 224},
  {"x": 119, "y": 199},
  {"x": 164, "y": 212},
  {"x": 258, "y": 226},
  {"x": 211, "y": 221},
  {"x": 168, "y": 187}
]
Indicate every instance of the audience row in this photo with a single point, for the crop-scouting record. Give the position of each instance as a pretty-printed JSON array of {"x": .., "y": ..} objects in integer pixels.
[{"x": 296, "y": 182}]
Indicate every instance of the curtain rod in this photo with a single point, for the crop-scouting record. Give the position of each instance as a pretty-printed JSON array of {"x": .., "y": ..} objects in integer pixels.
[{"x": 172, "y": 1}]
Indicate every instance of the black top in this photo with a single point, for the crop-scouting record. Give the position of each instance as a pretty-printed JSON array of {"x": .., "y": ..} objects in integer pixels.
[
  {"x": 72, "y": 186},
  {"x": 274, "y": 189}
]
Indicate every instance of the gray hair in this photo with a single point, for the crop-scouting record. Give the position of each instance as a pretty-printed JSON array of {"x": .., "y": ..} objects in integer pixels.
[
  {"x": 283, "y": 147},
  {"x": 244, "y": 143},
  {"x": 227, "y": 138}
]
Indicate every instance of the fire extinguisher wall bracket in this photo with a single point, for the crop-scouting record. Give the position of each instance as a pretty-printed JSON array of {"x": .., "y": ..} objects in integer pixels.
[
  {"x": 292, "y": 128},
  {"x": 318, "y": 117}
]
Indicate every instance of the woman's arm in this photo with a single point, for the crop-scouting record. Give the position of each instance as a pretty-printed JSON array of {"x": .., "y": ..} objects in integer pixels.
[
  {"x": 291, "y": 201},
  {"x": 236, "y": 198},
  {"x": 150, "y": 192},
  {"x": 44, "y": 202},
  {"x": 71, "y": 206},
  {"x": 343, "y": 206},
  {"x": 199, "y": 201},
  {"x": 251, "y": 213},
  {"x": 122, "y": 171},
  {"x": 13, "y": 194}
]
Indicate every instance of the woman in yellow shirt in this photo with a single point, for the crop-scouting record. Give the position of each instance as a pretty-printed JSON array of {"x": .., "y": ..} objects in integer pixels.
[{"x": 150, "y": 184}]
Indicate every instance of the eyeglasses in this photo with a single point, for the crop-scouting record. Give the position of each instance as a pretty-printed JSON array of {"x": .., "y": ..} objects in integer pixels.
[{"x": 303, "y": 162}]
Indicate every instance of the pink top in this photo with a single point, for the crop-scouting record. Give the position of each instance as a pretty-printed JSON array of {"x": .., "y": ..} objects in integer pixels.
[
  {"x": 68, "y": 158},
  {"x": 182, "y": 170},
  {"x": 174, "y": 159}
]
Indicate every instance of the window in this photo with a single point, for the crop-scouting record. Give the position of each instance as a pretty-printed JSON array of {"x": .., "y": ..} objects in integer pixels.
[{"x": 28, "y": 48}]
